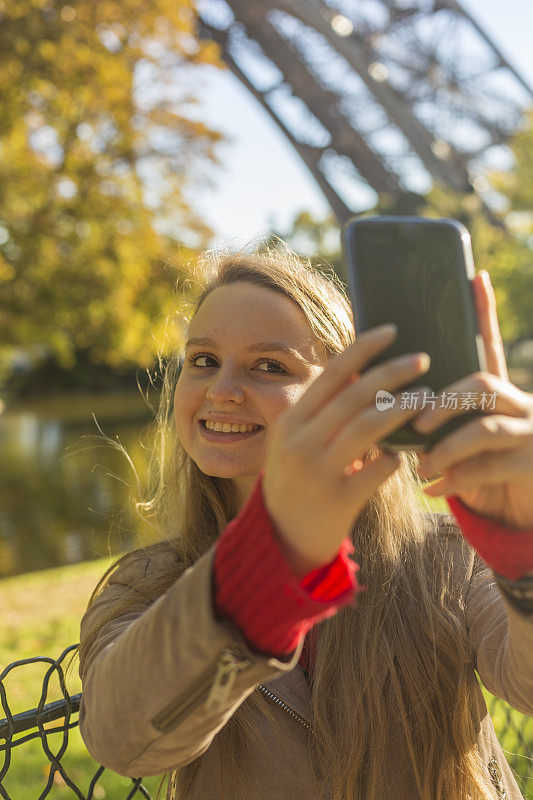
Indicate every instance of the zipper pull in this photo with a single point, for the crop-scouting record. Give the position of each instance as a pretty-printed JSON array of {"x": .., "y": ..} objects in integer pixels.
[
  {"x": 229, "y": 664},
  {"x": 496, "y": 778}
]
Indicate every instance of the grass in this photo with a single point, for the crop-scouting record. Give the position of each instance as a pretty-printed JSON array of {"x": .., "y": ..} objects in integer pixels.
[
  {"x": 41, "y": 617},
  {"x": 41, "y": 613}
]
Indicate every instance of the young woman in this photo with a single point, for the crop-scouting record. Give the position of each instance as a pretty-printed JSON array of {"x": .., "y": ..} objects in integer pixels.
[{"x": 305, "y": 629}]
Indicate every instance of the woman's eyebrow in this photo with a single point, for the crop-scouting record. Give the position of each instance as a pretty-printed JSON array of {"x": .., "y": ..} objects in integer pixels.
[{"x": 257, "y": 347}]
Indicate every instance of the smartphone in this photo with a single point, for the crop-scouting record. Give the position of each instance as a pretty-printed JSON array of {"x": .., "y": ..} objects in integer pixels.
[{"x": 416, "y": 273}]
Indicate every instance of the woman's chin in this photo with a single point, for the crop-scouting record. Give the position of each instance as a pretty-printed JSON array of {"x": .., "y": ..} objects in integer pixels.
[{"x": 227, "y": 470}]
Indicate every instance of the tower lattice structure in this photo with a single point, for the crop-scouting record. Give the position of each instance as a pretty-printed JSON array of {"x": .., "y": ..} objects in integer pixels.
[{"x": 382, "y": 95}]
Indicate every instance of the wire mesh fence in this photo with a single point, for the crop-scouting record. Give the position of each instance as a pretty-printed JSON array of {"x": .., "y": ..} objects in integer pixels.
[
  {"x": 37, "y": 723},
  {"x": 515, "y": 734},
  {"x": 514, "y": 730}
]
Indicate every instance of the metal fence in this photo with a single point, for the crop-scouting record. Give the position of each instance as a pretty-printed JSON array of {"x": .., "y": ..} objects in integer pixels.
[{"x": 17, "y": 729}]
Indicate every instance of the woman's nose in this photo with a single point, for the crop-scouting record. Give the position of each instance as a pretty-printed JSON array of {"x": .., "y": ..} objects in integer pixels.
[{"x": 225, "y": 387}]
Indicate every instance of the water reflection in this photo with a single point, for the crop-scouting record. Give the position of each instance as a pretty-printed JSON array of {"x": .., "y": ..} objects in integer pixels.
[{"x": 65, "y": 494}]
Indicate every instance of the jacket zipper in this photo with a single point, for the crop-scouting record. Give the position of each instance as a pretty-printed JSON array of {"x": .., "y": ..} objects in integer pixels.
[
  {"x": 497, "y": 778},
  {"x": 287, "y": 708},
  {"x": 213, "y": 687}
]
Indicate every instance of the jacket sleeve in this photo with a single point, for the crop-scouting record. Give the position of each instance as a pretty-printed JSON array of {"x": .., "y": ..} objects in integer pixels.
[
  {"x": 502, "y": 640},
  {"x": 163, "y": 679}
]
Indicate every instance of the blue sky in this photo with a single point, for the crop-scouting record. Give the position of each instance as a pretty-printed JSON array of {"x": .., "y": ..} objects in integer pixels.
[{"x": 263, "y": 180}]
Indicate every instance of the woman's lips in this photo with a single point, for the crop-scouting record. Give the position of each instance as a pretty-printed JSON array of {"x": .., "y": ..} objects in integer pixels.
[{"x": 220, "y": 438}]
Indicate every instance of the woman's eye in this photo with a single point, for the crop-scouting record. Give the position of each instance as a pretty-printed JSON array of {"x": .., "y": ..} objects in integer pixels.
[
  {"x": 193, "y": 359},
  {"x": 278, "y": 369}
]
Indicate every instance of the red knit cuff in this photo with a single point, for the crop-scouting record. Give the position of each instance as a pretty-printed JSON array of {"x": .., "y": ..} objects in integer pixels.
[
  {"x": 256, "y": 589},
  {"x": 331, "y": 581},
  {"x": 507, "y": 551}
]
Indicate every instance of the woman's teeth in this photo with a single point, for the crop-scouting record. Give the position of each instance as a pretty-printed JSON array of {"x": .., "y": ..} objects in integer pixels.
[{"x": 225, "y": 427}]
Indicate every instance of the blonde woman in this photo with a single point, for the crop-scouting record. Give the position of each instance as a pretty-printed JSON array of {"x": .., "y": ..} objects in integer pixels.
[{"x": 304, "y": 629}]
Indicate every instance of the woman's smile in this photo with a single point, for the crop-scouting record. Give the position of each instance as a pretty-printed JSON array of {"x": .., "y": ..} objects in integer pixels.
[{"x": 225, "y": 437}]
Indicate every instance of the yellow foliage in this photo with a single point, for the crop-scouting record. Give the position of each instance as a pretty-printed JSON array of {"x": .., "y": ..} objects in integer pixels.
[
  {"x": 47, "y": 50},
  {"x": 7, "y": 270},
  {"x": 209, "y": 53},
  {"x": 81, "y": 267},
  {"x": 22, "y": 46}
]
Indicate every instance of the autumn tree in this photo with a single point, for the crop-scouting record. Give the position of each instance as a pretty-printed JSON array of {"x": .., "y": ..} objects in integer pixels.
[{"x": 99, "y": 143}]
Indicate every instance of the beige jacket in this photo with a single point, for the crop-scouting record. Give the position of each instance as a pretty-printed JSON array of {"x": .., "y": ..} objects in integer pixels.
[{"x": 161, "y": 681}]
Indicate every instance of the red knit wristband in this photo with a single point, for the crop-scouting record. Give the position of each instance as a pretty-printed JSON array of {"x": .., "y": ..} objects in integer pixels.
[
  {"x": 256, "y": 589},
  {"x": 507, "y": 551}
]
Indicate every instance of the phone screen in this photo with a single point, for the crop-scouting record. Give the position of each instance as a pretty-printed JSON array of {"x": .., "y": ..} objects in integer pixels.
[{"x": 415, "y": 272}]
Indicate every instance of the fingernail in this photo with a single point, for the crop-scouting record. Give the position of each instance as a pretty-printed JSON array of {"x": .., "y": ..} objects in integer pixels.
[
  {"x": 389, "y": 328},
  {"x": 425, "y": 361}
]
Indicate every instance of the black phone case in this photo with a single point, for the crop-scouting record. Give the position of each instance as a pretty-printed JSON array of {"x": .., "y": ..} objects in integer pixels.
[{"x": 405, "y": 437}]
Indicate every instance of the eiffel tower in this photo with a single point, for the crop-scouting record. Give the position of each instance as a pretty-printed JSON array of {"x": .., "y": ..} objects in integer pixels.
[{"x": 387, "y": 94}]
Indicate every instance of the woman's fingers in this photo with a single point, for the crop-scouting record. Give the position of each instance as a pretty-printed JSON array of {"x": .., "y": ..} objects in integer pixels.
[
  {"x": 358, "y": 396},
  {"x": 365, "y": 429},
  {"x": 501, "y": 397},
  {"x": 489, "y": 327},
  {"x": 488, "y": 469},
  {"x": 340, "y": 370},
  {"x": 371, "y": 475},
  {"x": 481, "y": 436}
]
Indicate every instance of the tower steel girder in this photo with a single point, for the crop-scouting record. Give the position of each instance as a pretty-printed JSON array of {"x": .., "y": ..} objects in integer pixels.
[
  {"x": 310, "y": 155},
  {"x": 405, "y": 85},
  {"x": 397, "y": 109},
  {"x": 323, "y": 103}
]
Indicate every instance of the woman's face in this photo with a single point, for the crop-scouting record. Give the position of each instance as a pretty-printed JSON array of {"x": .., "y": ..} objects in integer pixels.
[{"x": 225, "y": 380}]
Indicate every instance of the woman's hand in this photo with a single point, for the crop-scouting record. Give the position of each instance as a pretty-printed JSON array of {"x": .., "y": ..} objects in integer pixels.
[
  {"x": 317, "y": 477},
  {"x": 487, "y": 463}
]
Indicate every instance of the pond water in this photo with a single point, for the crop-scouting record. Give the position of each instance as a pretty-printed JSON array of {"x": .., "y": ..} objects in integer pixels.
[{"x": 67, "y": 495}]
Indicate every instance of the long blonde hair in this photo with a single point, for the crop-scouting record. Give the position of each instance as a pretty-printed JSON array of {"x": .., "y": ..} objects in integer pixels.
[{"x": 393, "y": 674}]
